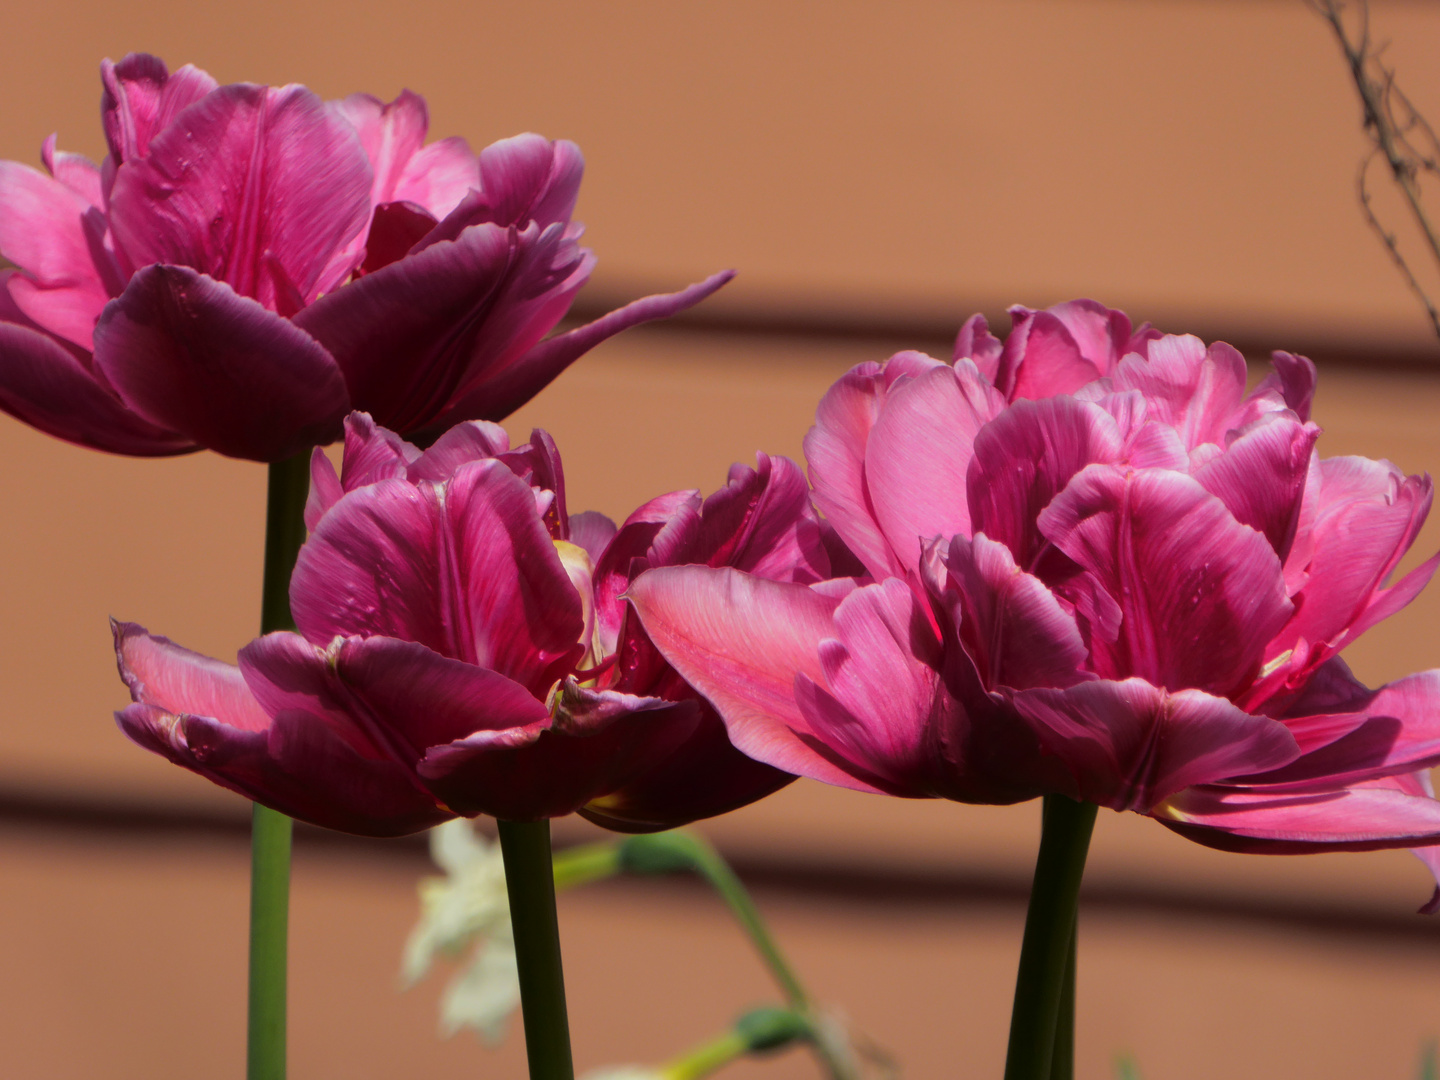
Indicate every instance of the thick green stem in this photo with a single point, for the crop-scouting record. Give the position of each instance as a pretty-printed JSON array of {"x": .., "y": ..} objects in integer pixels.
[
  {"x": 1049, "y": 932},
  {"x": 1062, "y": 1060},
  {"x": 530, "y": 882},
  {"x": 270, "y": 831}
]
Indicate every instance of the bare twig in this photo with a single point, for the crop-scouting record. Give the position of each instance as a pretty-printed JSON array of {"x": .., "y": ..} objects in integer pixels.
[{"x": 1401, "y": 136}]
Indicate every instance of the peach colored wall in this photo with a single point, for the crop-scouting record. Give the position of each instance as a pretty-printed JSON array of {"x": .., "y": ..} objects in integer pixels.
[{"x": 1190, "y": 160}]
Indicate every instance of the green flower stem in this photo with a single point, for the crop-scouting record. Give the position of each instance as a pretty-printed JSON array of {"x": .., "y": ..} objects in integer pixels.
[
  {"x": 271, "y": 831},
  {"x": 660, "y": 853},
  {"x": 758, "y": 1031},
  {"x": 1049, "y": 932},
  {"x": 530, "y": 882},
  {"x": 1062, "y": 1060}
]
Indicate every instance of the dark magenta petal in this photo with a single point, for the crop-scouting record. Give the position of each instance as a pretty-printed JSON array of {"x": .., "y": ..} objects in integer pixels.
[
  {"x": 597, "y": 742},
  {"x": 495, "y": 391},
  {"x": 1200, "y": 594},
  {"x": 414, "y": 335},
  {"x": 704, "y": 777},
  {"x": 395, "y": 228},
  {"x": 1128, "y": 745},
  {"x": 373, "y": 453},
  {"x": 255, "y": 186},
  {"x": 141, "y": 99},
  {"x": 187, "y": 353},
  {"x": 44, "y": 385}
]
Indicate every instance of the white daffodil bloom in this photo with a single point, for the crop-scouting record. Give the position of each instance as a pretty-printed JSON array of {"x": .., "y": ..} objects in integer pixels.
[{"x": 466, "y": 908}]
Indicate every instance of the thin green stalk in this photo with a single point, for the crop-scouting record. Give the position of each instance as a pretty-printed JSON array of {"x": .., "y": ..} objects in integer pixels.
[
  {"x": 1049, "y": 932},
  {"x": 659, "y": 853},
  {"x": 271, "y": 831},
  {"x": 759, "y": 1031},
  {"x": 585, "y": 863},
  {"x": 530, "y": 883},
  {"x": 1062, "y": 1061}
]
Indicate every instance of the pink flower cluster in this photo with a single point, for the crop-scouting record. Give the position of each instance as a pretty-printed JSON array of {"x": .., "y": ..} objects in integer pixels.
[
  {"x": 250, "y": 263},
  {"x": 1085, "y": 562},
  {"x": 1094, "y": 566}
]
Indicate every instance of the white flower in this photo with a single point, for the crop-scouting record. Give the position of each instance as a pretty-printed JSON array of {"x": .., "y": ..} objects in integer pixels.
[
  {"x": 469, "y": 906},
  {"x": 623, "y": 1072}
]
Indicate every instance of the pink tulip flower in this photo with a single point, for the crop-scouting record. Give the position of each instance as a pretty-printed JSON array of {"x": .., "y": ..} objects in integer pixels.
[
  {"x": 463, "y": 647},
  {"x": 249, "y": 263},
  {"x": 1097, "y": 567}
]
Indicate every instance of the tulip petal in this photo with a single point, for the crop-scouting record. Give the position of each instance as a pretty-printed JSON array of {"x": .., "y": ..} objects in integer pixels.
[
  {"x": 976, "y": 344},
  {"x": 1351, "y": 819},
  {"x": 301, "y": 769},
  {"x": 439, "y": 176},
  {"x": 187, "y": 353},
  {"x": 1194, "y": 389},
  {"x": 1059, "y": 350},
  {"x": 1261, "y": 477},
  {"x": 1367, "y": 516},
  {"x": 1129, "y": 745},
  {"x": 1023, "y": 458},
  {"x": 761, "y": 522},
  {"x": 391, "y": 133},
  {"x": 529, "y": 178},
  {"x": 55, "y": 236},
  {"x": 1013, "y": 627},
  {"x": 494, "y": 397},
  {"x": 835, "y": 450},
  {"x": 44, "y": 385},
  {"x": 411, "y": 336},
  {"x": 918, "y": 455},
  {"x": 1200, "y": 594},
  {"x": 255, "y": 186},
  {"x": 704, "y": 777},
  {"x": 142, "y": 98},
  {"x": 525, "y": 616},
  {"x": 176, "y": 680},
  {"x": 555, "y": 771},
  {"x": 742, "y": 641},
  {"x": 1395, "y": 729}
]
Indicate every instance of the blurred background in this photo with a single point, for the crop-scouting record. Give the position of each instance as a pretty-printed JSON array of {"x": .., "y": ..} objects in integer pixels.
[{"x": 876, "y": 173}]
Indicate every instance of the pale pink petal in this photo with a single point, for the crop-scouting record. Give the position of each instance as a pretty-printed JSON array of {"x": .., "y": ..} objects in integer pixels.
[
  {"x": 176, "y": 680},
  {"x": 1288, "y": 823},
  {"x": 439, "y": 176},
  {"x": 75, "y": 171},
  {"x": 1201, "y": 595},
  {"x": 919, "y": 453},
  {"x": 1023, "y": 458},
  {"x": 835, "y": 451},
  {"x": 976, "y": 344},
  {"x": 391, "y": 133},
  {"x": 50, "y": 233},
  {"x": 1059, "y": 350},
  {"x": 1194, "y": 389},
  {"x": 742, "y": 641},
  {"x": 1261, "y": 477}
]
